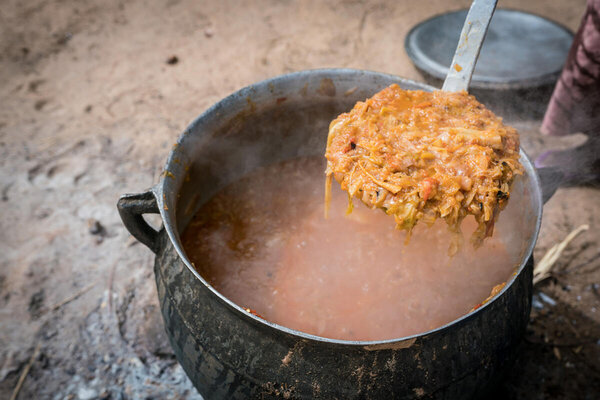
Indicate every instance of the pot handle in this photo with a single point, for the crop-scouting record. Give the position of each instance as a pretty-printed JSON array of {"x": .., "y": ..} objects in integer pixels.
[
  {"x": 131, "y": 209},
  {"x": 550, "y": 180}
]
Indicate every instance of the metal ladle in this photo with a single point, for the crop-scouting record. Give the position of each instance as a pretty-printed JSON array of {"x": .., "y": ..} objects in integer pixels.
[{"x": 469, "y": 44}]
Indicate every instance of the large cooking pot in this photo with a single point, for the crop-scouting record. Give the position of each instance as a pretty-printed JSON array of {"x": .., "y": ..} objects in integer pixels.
[{"x": 229, "y": 353}]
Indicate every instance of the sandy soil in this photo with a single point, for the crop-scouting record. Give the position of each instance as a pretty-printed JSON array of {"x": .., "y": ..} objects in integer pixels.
[{"x": 90, "y": 105}]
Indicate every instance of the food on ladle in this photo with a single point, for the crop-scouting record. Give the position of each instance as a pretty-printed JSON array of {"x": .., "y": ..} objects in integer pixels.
[{"x": 425, "y": 155}]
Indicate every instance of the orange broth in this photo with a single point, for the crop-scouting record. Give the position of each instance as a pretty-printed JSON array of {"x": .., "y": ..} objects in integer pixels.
[{"x": 264, "y": 243}]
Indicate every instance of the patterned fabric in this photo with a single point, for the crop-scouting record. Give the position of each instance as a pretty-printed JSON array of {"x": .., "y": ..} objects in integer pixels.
[{"x": 575, "y": 103}]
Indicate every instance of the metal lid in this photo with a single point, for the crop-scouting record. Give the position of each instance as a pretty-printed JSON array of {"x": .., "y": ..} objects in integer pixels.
[{"x": 520, "y": 50}]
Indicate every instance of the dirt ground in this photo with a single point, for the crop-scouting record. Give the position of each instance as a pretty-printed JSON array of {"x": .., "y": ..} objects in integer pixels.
[{"x": 92, "y": 95}]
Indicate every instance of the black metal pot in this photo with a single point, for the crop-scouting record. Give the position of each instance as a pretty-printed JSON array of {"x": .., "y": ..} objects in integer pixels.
[{"x": 231, "y": 354}]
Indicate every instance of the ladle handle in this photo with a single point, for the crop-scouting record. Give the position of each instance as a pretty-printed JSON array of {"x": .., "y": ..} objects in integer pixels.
[
  {"x": 131, "y": 208},
  {"x": 469, "y": 45}
]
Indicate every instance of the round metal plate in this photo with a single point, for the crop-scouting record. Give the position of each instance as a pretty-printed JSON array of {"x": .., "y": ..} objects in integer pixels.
[{"x": 520, "y": 50}]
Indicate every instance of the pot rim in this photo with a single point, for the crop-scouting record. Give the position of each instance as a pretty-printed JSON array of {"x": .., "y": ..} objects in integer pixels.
[{"x": 164, "y": 186}]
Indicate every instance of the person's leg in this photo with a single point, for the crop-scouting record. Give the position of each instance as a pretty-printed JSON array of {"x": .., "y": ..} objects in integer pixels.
[{"x": 575, "y": 104}]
